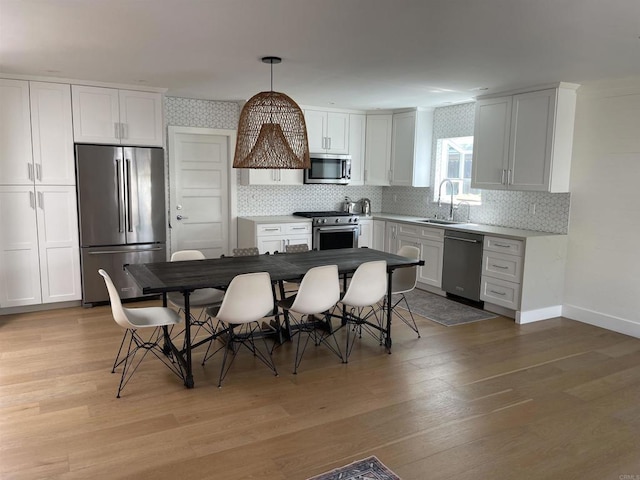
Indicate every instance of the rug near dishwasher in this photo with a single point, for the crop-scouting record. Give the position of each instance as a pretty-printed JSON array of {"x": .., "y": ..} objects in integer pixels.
[
  {"x": 366, "y": 469},
  {"x": 442, "y": 310}
]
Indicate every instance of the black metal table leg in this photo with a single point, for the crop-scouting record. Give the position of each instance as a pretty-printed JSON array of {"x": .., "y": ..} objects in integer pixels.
[
  {"x": 188, "y": 379},
  {"x": 387, "y": 341}
]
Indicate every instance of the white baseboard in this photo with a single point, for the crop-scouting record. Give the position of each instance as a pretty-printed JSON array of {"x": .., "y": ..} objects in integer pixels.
[
  {"x": 39, "y": 307},
  {"x": 617, "y": 324},
  {"x": 539, "y": 314}
]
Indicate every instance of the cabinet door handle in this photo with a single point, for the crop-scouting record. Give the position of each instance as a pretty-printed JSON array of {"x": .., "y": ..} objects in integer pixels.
[
  {"x": 502, "y": 178},
  {"x": 31, "y": 200},
  {"x": 498, "y": 293},
  {"x": 40, "y": 200},
  {"x": 124, "y": 130},
  {"x": 30, "y": 171},
  {"x": 509, "y": 179},
  {"x": 39, "y": 171},
  {"x": 116, "y": 130},
  {"x": 328, "y": 143}
]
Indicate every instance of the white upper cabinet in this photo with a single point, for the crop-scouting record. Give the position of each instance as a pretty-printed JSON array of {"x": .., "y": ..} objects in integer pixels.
[
  {"x": 378, "y": 149},
  {"x": 411, "y": 148},
  {"x": 271, "y": 176},
  {"x": 111, "y": 116},
  {"x": 36, "y": 138},
  {"x": 16, "y": 158},
  {"x": 52, "y": 133},
  {"x": 357, "y": 132},
  {"x": 328, "y": 132},
  {"x": 524, "y": 141}
]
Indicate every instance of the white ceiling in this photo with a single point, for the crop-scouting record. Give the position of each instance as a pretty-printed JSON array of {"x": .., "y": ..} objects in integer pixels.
[{"x": 362, "y": 54}]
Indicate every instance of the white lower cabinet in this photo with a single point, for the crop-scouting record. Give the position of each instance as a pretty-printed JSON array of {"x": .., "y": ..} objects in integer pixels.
[
  {"x": 429, "y": 240},
  {"x": 365, "y": 239},
  {"x": 525, "y": 276},
  {"x": 39, "y": 253},
  {"x": 272, "y": 237},
  {"x": 378, "y": 234}
]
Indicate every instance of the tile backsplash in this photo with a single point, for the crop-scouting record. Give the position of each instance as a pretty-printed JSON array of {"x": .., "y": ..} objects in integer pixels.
[
  {"x": 283, "y": 200},
  {"x": 527, "y": 210},
  {"x": 544, "y": 212}
]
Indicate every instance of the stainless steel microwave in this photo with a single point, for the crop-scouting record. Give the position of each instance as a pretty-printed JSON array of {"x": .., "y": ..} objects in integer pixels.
[{"x": 328, "y": 168}]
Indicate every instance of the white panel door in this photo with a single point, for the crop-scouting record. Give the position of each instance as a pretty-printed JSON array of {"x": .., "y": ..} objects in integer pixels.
[
  {"x": 96, "y": 117},
  {"x": 16, "y": 161},
  {"x": 58, "y": 243},
  {"x": 199, "y": 204},
  {"x": 19, "y": 264},
  {"x": 52, "y": 133}
]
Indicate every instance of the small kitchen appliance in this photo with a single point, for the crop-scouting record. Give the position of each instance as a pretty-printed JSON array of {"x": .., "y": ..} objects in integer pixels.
[{"x": 365, "y": 208}]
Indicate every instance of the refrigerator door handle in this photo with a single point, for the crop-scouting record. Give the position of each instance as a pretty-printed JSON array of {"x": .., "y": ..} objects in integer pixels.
[
  {"x": 120, "y": 194},
  {"x": 111, "y": 252},
  {"x": 129, "y": 210}
]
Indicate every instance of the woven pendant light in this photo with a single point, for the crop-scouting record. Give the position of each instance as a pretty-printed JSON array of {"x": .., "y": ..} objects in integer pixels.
[{"x": 272, "y": 132}]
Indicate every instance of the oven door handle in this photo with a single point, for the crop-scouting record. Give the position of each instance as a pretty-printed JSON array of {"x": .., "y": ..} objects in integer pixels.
[{"x": 350, "y": 228}]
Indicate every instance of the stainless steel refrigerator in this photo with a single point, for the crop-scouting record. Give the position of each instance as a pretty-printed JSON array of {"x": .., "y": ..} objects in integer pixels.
[{"x": 121, "y": 206}]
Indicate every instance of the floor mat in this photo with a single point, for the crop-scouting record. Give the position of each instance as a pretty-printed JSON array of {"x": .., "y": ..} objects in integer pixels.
[{"x": 441, "y": 309}]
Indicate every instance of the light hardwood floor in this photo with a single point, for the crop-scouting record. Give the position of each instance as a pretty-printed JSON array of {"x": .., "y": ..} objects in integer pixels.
[{"x": 490, "y": 400}]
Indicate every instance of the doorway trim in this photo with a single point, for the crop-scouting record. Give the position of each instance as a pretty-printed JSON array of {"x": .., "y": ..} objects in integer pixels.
[{"x": 231, "y": 174}]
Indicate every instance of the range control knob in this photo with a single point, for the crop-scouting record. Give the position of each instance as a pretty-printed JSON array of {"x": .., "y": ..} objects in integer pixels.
[{"x": 337, "y": 220}]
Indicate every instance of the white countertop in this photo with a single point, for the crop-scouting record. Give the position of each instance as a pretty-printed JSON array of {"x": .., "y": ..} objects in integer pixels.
[
  {"x": 463, "y": 227},
  {"x": 467, "y": 227},
  {"x": 278, "y": 219}
]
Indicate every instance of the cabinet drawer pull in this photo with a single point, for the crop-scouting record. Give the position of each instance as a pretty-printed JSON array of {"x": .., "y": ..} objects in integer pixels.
[
  {"x": 502, "y": 245},
  {"x": 499, "y": 266},
  {"x": 498, "y": 293},
  {"x": 298, "y": 228},
  {"x": 271, "y": 229}
]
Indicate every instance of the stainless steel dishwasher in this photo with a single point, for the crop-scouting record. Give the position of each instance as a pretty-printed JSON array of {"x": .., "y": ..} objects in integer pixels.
[{"x": 462, "y": 266}]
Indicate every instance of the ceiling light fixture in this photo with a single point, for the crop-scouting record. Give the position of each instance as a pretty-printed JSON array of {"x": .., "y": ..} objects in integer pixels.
[{"x": 272, "y": 132}]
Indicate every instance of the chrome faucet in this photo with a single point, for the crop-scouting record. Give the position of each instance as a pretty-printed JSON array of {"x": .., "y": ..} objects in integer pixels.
[{"x": 451, "y": 207}]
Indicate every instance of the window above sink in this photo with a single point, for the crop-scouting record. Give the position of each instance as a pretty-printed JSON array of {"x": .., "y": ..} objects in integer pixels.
[{"x": 454, "y": 156}]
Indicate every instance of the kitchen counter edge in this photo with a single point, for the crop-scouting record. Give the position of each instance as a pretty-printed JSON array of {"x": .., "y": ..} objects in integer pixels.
[{"x": 505, "y": 232}]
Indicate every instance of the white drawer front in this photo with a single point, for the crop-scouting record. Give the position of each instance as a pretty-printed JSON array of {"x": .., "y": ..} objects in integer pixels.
[
  {"x": 297, "y": 228},
  {"x": 406, "y": 229},
  {"x": 267, "y": 229},
  {"x": 503, "y": 245},
  {"x": 505, "y": 267},
  {"x": 436, "y": 234},
  {"x": 499, "y": 292}
]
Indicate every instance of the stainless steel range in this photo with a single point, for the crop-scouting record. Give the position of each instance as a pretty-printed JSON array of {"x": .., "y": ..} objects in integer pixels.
[{"x": 333, "y": 229}]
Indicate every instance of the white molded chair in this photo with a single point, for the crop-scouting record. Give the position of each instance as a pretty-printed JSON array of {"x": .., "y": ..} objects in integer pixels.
[
  {"x": 133, "y": 319},
  {"x": 404, "y": 280},
  {"x": 248, "y": 299},
  {"x": 198, "y": 299},
  {"x": 367, "y": 287},
  {"x": 319, "y": 292}
]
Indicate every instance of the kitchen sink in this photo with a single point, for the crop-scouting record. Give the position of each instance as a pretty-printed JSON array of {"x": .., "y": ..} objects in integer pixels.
[{"x": 438, "y": 221}]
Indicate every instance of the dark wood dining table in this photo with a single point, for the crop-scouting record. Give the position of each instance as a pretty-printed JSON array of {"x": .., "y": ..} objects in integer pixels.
[{"x": 187, "y": 276}]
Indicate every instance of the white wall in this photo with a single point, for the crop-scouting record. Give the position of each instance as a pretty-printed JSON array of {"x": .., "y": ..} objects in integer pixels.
[{"x": 603, "y": 268}]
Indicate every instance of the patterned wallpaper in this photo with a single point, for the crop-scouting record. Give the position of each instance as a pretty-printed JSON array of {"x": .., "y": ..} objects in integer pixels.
[{"x": 509, "y": 209}]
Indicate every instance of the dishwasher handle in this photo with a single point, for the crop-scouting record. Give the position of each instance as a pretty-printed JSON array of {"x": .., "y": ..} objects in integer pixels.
[{"x": 468, "y": 240}]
